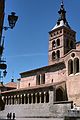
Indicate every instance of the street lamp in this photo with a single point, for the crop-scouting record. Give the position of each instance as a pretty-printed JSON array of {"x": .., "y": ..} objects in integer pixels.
[{"x": 12, "y": 19}]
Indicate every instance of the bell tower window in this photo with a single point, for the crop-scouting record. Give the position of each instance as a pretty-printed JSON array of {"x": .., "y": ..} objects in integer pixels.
[
  {"x": 53, "y": 55},
  {"x": 58, "y": 42},
  {"x": 58, "y": 54},
  {"x": 53, "y": 44}
]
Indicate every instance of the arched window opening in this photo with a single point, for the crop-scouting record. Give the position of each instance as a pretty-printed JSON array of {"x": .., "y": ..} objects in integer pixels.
[
  {"x": 70, "y": 67},
  {"x": 13, "y": 100},
  {"x": 38, "y": 98},
  {"x": 38, "y": 80},
  {"x": 59, "y": 95},
  {"x": 58, "y": 54},
  {"x": 53, "y": 44},
  {"x": 29, "y": 98},
  {"x": 28, "y": 84},
  {"x": 22, "y": 99},
  {"x": 42, "y": 78},
  {"x": 47, "y": 97},
  {"x": 76, "y": 65},
  {"x": 34, "y": 98},
  {"x": 42, "y": 97},
  {"x": 26, "y": 99},
  {"x": 53, "y": 55},
  {"x": 10, "y": 100},
  {"x": 58, "y": 42}
]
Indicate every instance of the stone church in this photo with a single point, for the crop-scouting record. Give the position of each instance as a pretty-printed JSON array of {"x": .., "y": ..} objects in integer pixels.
[{"x": 51, "y": 92}]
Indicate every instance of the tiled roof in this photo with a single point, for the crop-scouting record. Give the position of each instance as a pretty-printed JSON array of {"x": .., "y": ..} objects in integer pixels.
[
  {"x": 11, "y": 85},
  {"x": 33, "y": 87},
  {"x": 42, "y": 68}
]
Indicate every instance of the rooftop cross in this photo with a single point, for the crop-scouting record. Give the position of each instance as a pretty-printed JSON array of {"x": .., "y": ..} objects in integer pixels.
[{"x": 62, "y": 2}]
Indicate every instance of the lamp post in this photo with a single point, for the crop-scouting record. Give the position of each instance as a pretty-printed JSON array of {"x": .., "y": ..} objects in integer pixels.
[{"x": 12, "y": 19}]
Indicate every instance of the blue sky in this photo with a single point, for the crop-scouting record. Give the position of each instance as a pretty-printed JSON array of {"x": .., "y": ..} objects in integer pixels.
[{"x": 26, "y": 46}]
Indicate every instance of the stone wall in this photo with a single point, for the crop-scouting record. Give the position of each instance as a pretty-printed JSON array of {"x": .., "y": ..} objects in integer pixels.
[
  {"x": 54, "y": 73},
  {"x": 37, "y": 111},
  {"x": 73, "y": 83}
]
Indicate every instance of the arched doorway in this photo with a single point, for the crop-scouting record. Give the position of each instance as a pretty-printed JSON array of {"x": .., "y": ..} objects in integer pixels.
[{"x": 59, "y": 94}]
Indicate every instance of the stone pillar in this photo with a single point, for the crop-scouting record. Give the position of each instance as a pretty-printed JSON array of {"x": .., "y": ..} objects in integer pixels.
[
  {"x": 51, "y": 96},
  {"x": 40, "y": 96},
  {"x": 31, "y": 97},
  {"x": 8, "y": 100},
  {"x": 35, "y": 97},
  {"x": 44, "y": 97},
  {"x": 11, "y": 99},
  {"x": 24, "y": 98},
  {"x": 54, "y": 94},
  {"x": 3, "y": 98},
  {"x": 21, "y": 98},
  {"x": 14, "y": 99},
  {"x": 17, "y": 99},
  {"x": 28, "y": 98}
]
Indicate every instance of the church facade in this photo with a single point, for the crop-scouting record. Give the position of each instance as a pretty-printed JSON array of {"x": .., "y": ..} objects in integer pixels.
[{"x": 49, "y": 92}]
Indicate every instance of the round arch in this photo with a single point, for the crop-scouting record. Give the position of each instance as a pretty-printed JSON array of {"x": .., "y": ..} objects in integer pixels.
[{"x": 60, "y": 94}]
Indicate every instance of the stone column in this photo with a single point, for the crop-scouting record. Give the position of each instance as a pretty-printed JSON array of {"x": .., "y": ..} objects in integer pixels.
[
  {"x": 24, "y": 98},
  {"x": 44, "y": 97},
  {"x": 28, "y": 98},
  {"x": 14, "y": 99},
  {"x": 8, "y": 100},
  {"x": 21, "y": 98},
  {"x": 17, "y": 99},
  {"x": 3, "y": 98},
  {"x": 40, "y": 96},
  {"x": 31, "y": 97},
  {"x": 11, "y": 99},
  {"x": 51, "y": 96},
  {"x": 35, "y": 97}
]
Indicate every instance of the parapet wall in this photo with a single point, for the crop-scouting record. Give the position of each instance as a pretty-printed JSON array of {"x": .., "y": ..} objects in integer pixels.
[{"x": 41, "y": 111}]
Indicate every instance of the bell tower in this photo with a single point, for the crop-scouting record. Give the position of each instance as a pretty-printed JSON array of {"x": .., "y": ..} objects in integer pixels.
[{"x": 61, "y": 38}]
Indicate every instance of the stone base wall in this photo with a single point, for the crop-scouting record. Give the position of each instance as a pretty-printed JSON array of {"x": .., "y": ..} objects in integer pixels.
[{"x": 37, "y": 111}]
